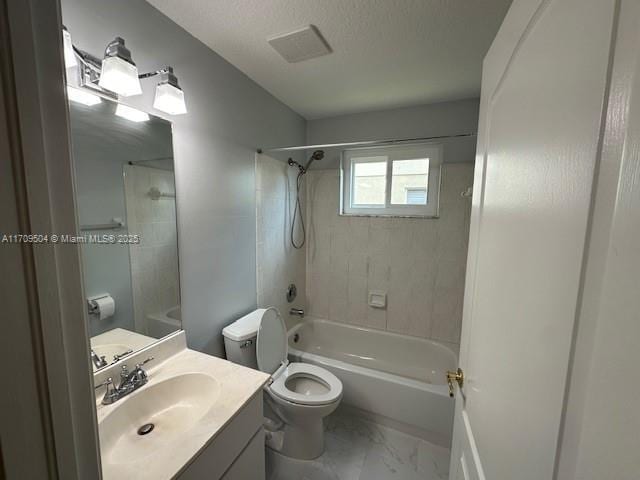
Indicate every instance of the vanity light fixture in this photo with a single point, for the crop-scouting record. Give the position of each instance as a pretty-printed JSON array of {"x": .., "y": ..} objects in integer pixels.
[
  {"x": 131, "y": 114},
  {"x": 169, "y": 96},
  {"x": 117, "y": 75},
  {"x": 82, "y": 96}
]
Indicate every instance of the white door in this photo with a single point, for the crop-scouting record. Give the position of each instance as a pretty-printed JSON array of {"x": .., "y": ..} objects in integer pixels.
[{"x": 543, "y": 87}]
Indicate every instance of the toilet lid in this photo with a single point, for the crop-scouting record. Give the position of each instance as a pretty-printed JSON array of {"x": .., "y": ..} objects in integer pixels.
[{"x": 271, "y": 344}]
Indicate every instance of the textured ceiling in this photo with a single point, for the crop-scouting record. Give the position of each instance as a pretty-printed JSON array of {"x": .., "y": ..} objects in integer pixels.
[{"x": 386, "y": 53}]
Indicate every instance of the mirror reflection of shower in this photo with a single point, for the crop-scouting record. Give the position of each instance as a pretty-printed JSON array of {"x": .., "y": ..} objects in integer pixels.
[{"x": 297, "y": 211}]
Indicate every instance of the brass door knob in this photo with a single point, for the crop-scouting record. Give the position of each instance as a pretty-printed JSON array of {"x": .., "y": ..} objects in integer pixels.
[{"x": 457, "y": 376}]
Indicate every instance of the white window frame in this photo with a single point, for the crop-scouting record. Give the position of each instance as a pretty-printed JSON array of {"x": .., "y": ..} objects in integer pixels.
[{"x": 397, "y": 152}]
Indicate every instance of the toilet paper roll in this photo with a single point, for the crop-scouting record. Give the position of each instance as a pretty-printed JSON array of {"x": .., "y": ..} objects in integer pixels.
[{"x": 106, "y": 306}]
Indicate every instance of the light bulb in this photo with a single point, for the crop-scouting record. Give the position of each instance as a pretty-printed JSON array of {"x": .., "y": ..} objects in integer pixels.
[
  {"x": 119, "y": 74},
  {"x": 169, "y": 99},
  {"x": 120, "y": 77},
  {"x": 82, "y": 96},
  {"x": 131, "y": 114}
]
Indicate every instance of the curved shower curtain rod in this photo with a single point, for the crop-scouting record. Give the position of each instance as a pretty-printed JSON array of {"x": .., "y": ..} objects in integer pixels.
[{"x": 364, "y": 143}]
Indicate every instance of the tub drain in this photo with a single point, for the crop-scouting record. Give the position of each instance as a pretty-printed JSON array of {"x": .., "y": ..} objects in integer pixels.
[{"x": 146, "y": 428}]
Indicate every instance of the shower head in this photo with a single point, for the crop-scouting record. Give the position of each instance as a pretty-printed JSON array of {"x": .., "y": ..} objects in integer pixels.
[{"x": 317, "y": 155}]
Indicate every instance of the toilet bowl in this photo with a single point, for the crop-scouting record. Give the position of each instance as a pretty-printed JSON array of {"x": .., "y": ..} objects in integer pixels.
[{"x": 298, "y": 395}]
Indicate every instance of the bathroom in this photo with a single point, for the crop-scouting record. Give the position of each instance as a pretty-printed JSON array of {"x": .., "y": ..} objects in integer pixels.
[{"x": 309, "y": 240}]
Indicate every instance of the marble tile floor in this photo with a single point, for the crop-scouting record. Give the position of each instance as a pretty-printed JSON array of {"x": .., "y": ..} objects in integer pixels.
[{"x": 358, "y": 449}]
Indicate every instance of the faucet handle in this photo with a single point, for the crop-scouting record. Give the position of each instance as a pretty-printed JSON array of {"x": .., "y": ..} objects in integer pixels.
[
  {"x": 119, "y": 356},
  {"x": 111, "y": 394},
  {"x": 138, "y": 365},
  {"x": 139, "y": 375},
  {"x": 106, "y": 383}
]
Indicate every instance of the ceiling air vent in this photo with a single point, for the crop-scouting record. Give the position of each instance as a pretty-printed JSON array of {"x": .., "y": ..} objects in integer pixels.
[{"x": 301, "y": 44}]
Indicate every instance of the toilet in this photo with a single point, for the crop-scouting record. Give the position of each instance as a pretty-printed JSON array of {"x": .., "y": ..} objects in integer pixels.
[{"x": 297, "y": 397}]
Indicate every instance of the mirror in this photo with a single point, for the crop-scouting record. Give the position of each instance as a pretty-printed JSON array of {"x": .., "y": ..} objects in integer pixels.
[{"x": 125, "y": 192}]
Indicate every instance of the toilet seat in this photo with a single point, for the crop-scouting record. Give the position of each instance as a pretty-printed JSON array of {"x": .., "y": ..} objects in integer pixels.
[
  {"x": 271, "y": 355},
  {"x": 313, "y": 372}
]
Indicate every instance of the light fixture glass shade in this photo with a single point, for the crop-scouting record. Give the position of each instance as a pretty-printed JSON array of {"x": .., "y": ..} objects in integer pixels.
[
  {"x": 131, "y": 114},
  {"x": 169, "y": 99},
  {"x": 82, "y": 96},
  {"x": 120, "y": 76},
  {"x": 70, "y": 60}
]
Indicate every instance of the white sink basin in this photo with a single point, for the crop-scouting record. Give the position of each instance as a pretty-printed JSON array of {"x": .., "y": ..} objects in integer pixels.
[
  {"x": 174, "y": 406},
  {"x": 190, "y": 398}
]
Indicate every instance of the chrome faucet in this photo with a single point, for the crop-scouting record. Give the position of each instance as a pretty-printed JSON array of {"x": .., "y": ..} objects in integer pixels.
[
  {"x": 297, "y": 311},
  {"x": 99, "y": 362},
  {"x": 129, "y": 382}
]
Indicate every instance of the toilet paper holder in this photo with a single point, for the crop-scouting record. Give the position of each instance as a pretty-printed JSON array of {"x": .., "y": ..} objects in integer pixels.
[{"x": 92, "y": 304}]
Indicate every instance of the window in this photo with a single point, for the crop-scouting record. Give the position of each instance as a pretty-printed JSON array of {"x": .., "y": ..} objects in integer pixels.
[
  {"x": 415, "y": 195},
  {"x": 392, "y": 181},
  {"x": 369, "y": 182}
]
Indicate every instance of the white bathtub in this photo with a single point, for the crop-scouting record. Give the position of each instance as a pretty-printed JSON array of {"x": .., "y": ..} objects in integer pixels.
[
  {"x": 161, "y": 324},
  {"x": 396, "y": 376}
]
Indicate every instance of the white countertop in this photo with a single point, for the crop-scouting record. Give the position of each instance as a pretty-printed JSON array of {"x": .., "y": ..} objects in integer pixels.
[{"x": 237, "y": 385}]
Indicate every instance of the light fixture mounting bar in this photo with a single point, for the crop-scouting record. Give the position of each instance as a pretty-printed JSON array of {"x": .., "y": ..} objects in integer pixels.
[
  {"x": 88, "y": 74},
  {"x": 166, "y": 76},
  {"x": 166, "y": 69},
  {"x": 88, "y": 60}
]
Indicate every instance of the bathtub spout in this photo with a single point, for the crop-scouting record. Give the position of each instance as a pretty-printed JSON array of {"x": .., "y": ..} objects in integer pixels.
[{"x": 297, "y": 311}]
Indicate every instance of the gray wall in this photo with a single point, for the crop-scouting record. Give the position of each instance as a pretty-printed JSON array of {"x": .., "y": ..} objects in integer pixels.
[
  {"x": 229, "y": 117},
  {"x": 447, "y": 118}
]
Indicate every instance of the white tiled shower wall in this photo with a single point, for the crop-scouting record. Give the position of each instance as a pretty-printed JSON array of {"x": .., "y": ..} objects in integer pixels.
[
  {"x": 419, "y": 263},
  {"x": 278, "y": 263},
  {"x": 154, "y": 261}
]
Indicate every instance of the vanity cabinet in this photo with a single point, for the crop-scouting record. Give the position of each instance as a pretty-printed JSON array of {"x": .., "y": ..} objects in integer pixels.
[
  {"x": 251, "y": 462},
  {"x": 236, "y": 452}
]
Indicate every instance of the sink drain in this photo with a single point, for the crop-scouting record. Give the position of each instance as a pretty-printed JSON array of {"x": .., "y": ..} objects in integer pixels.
[{"x": 146, "y": 428}]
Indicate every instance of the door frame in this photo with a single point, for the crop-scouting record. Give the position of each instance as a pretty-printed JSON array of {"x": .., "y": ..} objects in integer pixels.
[
  {"x": 615, "y": 189},
  {"x": 48, "y": 422}
]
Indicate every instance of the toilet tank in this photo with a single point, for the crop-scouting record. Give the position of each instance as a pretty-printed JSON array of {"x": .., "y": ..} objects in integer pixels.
[{"x": 240, "y": 339}]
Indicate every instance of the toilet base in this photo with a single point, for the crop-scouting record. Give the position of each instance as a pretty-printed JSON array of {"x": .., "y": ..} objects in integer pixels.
[
  {"x": 302, "y": 430},
  {"x": 304, "y": 442}
]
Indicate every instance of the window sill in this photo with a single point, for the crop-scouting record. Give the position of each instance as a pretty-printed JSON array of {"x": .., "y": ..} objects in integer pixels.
[{"x": 387, "y": 215}]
